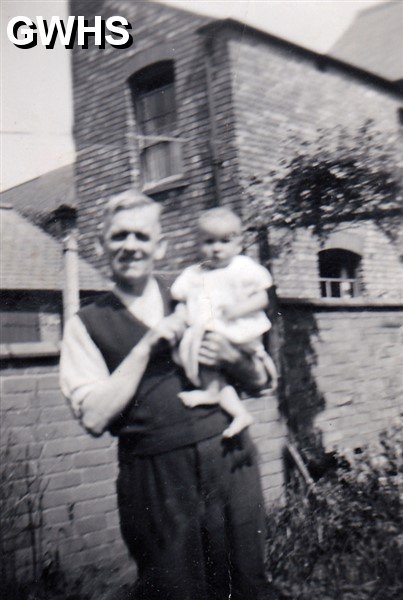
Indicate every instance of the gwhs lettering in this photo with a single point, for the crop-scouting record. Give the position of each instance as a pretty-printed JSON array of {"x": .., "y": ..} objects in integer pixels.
[{"x": 25, "y": 33}]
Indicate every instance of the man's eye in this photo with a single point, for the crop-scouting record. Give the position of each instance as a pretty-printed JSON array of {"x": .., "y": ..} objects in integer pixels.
[
  {"x": 143, "y": 237},
  {"x": 119, "y": 236}
]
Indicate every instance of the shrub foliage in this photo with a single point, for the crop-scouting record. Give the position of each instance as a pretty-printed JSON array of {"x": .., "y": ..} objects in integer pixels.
[
  {"x": 346, "y": 541},
  {"x": 337, "y": 176}
]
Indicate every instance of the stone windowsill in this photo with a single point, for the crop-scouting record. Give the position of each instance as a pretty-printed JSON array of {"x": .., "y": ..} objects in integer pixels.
[
  {"x": 29, "y": 350},
  {"x": 169, "y": 183},
  {"x": 343, "y": 302}
]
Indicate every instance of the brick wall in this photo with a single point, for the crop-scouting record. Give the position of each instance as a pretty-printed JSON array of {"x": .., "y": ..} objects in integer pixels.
[
  {"x": 342, "y": 372},
  {"x": 280, "y": 94},
  {"x": 269, "y": 433},
  {"x": 341, "y": 367},
  {"x": 69, "y": 476},
  {"x": 279, "y": 91},
  {"x": 105, "y": 131},
  {"x": 295, "y": 264}
]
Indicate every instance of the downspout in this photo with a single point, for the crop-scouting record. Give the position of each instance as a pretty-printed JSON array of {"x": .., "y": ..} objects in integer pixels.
[
  {"x": 216, "y": 162},
  {"x": 71, "y": 287}
]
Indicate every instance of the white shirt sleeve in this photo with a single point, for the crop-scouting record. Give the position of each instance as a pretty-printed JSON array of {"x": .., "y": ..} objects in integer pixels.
[
  {"x": 253, "y": 276},
  {"x": 182, "y": 286},
  {"x": 82, "y": 365}
]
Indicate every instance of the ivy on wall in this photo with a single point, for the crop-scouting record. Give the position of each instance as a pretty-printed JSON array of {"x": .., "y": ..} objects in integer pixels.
[{"x": 339, "y": 176}]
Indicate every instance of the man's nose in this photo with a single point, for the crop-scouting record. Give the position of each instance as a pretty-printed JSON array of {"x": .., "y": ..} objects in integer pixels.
[{"x": 131, "y": 242}]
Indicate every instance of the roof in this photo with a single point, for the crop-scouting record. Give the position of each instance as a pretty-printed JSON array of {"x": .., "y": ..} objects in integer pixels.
[
  {"x": 33, "y": 260},
  {"x": 39, "y": 197},
  {"x": 321, "y": 60},
  {"x": 374, "y": 42},
  {"x": 371, "y": 48}
]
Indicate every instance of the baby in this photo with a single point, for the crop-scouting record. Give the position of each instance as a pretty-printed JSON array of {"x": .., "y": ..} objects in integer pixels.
[{"x": 225, "y": 293}]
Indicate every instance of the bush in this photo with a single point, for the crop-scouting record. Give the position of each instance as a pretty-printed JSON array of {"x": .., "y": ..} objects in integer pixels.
[{"x": 344, "y": 542}]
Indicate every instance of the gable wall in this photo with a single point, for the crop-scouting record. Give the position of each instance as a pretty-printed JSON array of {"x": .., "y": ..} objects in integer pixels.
[{"x": 278, "y": 95}]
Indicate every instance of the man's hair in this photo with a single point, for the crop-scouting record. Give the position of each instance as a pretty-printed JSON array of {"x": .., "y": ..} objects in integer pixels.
[
  {"x": 221, "y": 214},
  {"x": 127, "y": 200}
]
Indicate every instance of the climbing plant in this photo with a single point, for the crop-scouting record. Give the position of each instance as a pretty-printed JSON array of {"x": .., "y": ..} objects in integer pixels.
[{"x": 337, "y": 176}]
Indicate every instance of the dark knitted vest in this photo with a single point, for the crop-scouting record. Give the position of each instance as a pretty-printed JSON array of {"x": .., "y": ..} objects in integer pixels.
[{"x": 155, "y": 420}]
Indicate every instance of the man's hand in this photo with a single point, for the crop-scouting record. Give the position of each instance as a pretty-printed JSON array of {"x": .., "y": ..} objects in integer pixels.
[
  {"x": 216, "y": 349},
  {"x": 170, "y": 328},
  {"x": 248, "y": 371}
]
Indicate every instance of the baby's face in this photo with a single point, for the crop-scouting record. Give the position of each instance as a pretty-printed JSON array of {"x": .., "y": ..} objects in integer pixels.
[{"x": 218, "y": 245}]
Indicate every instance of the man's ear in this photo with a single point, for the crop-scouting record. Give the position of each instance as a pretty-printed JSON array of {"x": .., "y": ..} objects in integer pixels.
[
  {"x": 99, "y": 246},
  {"x": 161, "y": 249}
]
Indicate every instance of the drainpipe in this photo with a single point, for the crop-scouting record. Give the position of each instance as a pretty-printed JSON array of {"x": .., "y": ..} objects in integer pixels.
[
  {"x": 71, "y": 287},
  {"x": 212, "y": 121}
]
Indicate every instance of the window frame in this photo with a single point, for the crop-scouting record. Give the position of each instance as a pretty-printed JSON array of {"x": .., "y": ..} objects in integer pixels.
[
  {"x": 142, "y": 83},
  {"x": 346, "y": 285}
]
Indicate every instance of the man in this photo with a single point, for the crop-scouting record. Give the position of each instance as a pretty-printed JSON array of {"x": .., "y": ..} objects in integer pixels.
[{"x": 190, "y": 502}]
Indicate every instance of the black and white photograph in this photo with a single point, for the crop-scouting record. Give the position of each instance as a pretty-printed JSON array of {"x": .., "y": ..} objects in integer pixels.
[{"x": 201, "y": 317}]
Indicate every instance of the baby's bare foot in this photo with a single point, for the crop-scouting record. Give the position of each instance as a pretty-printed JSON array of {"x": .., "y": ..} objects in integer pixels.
[{"x": 237, "y": 425}]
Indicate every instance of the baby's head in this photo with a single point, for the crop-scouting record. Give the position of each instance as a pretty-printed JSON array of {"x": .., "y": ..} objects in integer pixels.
[{"x": 220, "y": 237}]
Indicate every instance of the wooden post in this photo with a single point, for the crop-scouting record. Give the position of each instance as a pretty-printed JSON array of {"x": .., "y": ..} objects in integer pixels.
[{"x": 71, "y": 287}]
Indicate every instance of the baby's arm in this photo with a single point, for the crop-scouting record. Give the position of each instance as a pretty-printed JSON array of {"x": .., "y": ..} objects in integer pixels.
[{"x": 255, "y": 301}]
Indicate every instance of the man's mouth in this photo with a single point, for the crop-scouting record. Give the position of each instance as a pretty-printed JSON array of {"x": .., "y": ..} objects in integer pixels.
[
  {"x": 133, "y": 258},
  {"x": 133, "y": 263}
]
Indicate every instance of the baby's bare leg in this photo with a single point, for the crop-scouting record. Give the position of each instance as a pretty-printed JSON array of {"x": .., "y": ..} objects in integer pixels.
[
  {"x": 216, "y": 391},
  {"x": 211, "y": 382},
  {"x": 232, "y": 404},
  {"x": 272, "y": 371}
]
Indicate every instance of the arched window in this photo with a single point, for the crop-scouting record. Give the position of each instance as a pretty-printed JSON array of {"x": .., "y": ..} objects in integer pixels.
[
  {"x": 338, "y": 269},
  {"x": 153, "y": 94}
]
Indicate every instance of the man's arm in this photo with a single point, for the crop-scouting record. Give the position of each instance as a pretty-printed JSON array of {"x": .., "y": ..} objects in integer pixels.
[
  {"x": 97, "y": 396},
  {"x": 243, "y": 368}
]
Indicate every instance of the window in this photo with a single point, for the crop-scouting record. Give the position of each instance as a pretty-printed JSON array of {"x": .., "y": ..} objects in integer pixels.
[
  {"x": 338, "y": 270},
  {"x": 21, "y": 326},
  {"x": 153, "y": 94}
]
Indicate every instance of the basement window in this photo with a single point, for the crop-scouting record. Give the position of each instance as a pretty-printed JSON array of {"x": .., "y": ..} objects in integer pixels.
[
  {"x": 338, "y": 269},
  {"x": 153, "y": 94}
]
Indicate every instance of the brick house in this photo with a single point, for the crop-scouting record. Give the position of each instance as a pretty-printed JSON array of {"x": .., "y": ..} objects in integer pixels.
[{"x": 191, "y": 113}]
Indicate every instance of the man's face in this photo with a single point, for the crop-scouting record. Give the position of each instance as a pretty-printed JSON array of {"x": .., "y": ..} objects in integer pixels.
[{"x": 132, "y": 242}]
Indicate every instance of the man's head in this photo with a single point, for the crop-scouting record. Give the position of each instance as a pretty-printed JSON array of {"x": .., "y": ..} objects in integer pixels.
[
  {"x": 132, "y": 237},
  {"x": 220, "y": 237}
]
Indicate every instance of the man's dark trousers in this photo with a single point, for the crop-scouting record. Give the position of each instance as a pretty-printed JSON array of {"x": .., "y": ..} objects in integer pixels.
[{"x": 193, "y": 520}]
